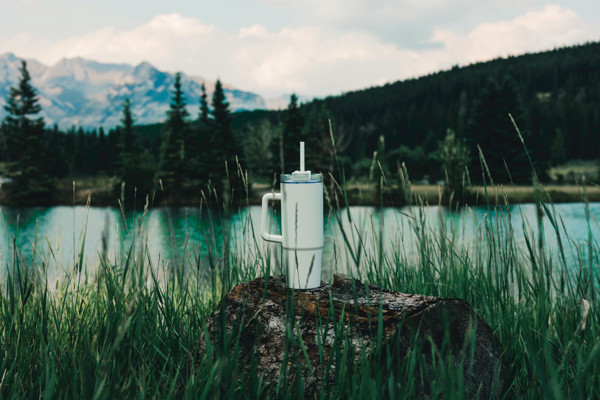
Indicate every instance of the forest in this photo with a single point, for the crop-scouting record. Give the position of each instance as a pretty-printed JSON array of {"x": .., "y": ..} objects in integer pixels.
[{"x": 503, "y": 115}]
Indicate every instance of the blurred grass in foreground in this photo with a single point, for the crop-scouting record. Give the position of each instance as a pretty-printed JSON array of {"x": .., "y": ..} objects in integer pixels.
[{"x": 130, "y": 329}]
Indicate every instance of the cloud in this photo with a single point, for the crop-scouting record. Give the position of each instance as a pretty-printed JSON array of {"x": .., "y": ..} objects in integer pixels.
[
  {"x": 549, "y": 27},
  {"x": 310, "y": 60},
  {"x": 165, "y": 38}
]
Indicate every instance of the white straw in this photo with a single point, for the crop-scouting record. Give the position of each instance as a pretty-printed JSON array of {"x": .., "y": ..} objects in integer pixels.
[{"x": 301, "y": 156}]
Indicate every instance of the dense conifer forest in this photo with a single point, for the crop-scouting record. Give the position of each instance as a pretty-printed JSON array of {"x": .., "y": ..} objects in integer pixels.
[
  {"x": 553, "y": 96},
  {"x": 417, "y": 125}
]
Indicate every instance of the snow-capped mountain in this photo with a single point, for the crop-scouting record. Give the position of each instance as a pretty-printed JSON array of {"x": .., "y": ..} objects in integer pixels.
[{"x": 91, "y": 94}]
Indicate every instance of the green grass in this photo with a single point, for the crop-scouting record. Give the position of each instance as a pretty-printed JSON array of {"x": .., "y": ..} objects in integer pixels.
[{"x": 130, "y": 329}]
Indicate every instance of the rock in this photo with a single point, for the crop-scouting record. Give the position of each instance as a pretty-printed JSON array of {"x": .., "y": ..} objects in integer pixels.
[{"x": 256, "y": 319}]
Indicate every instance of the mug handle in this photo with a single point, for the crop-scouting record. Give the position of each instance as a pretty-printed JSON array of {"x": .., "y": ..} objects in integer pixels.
[{"x": 263, "y": 220}]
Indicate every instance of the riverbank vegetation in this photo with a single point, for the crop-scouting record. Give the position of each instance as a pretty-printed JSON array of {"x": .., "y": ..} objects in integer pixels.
[
  {"x": 128, "y": 325},
  {"x": 431, "y": 129}
]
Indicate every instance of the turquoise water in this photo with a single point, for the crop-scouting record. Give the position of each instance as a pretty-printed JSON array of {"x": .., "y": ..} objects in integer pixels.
[{"x": 185, "y": 236}]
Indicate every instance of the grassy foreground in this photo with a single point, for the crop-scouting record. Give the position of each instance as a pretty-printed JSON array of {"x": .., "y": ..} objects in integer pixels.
[{"x": 129, "y": 328}]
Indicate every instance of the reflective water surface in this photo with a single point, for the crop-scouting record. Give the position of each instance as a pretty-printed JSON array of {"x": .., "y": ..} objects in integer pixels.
[{"x": 187, "y": 235}]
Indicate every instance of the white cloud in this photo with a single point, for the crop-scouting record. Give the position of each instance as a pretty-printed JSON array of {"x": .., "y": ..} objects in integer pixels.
[
  {"x": 310, "y": 60},
  {"x": 552, "y": 26},
  {"x": 256, "y": 30},
  {"x": 165, "y": 40}
]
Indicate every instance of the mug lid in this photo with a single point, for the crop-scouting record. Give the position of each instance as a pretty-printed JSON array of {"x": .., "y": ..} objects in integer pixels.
[{"x": 302, "y": 177}]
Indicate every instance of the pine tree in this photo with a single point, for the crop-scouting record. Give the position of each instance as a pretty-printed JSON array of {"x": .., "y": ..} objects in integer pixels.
[
  {"x": 70, "y": 145},
  {"x": 126, "y": 140},
  {"x": 102, "y": 152},
  {"x": 292, "y": 135},
  {"x": 222, "y": 139},
  {"x": 172, "y": 158},
  {"x": 24, "y": 132},
  {"x": 134, "y": 168},
  {"x": 558, "y": 153},
  {"x": 319, "y": 149},
  {"x": 493, "y": 131},
  {"x": 80, "y": 153},
  {"x": 198, "y": 148},
  {"x": 55, "y": 155},
  {"x": 112, "y": 148},
  {"x": 204, "y": 112},
  {"x": 127, "y": 149}
]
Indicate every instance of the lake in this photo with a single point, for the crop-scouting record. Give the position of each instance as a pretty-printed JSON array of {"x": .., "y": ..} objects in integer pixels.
[{"x": 187, "y": 235}]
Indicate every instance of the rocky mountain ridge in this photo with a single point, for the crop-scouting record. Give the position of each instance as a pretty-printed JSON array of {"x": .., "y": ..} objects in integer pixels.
[{"x": 90, "y": 94}]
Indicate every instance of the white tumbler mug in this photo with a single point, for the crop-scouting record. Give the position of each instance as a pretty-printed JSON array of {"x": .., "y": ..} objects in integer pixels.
[{"x": 301, "y": 225}]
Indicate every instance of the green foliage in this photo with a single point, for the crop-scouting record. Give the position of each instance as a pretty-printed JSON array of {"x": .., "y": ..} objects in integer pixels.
[
  {"x": 319, "y": 149},
  {"x": 135, "y": 166},
  {"x": 287, "y": 146},
  {"x": 258, "y": 147},
  {"x": 454, "y": 158},
  {"x": 54, "y": 158},
  {"x": 558, "y": 152},
  {"x": 549, "y": 92},
  {"x": 557, "y": 89},
  {"x": 222, "y": 145},
  {"x": 492, "y": 130},
  {"x": 24, "y": 136},
  {"x": 200, "y": 146},
  {"x": 173, "y": 152}
]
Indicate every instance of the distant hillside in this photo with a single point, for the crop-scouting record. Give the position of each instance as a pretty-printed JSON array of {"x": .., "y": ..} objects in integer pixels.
[
  {"x": 79, "y": 92},
  {"x": 559, "y": 91}
]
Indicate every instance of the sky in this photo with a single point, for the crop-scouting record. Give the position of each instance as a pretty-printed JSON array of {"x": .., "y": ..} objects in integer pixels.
[{"x": 310, "y": 47}]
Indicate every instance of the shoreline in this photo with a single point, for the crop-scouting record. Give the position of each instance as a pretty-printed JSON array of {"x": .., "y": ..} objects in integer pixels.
[{"x": 357, "y": 194}]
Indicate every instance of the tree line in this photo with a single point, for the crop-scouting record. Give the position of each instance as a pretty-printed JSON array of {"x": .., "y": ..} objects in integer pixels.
[
  {"x": 452, "y": 126},
  {"x": 553, "y": 96},
  {"x": 188, "y": 153}
]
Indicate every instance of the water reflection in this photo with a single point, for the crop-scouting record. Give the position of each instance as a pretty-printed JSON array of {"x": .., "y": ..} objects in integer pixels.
[{"x": 186, "y": 236}]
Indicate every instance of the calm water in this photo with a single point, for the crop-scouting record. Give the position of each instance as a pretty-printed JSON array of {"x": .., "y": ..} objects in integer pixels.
[{"x": 60, "y": 233}]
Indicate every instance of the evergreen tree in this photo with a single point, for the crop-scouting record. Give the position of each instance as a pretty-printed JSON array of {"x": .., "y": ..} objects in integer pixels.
[
  {"x": 4, "y": 134},
  {"x": 558, "y": 153},
  {"x": 127, "y": 149},
  {"x": 70, "y": 145},
  {"x": 112, "y": 149},
  {"x": 224, "y": 146},
  {"x": 287, "y": 145},
  {"x": 199, "y": 149},
  {"x": 204, "y": 112},
  {"x": 126, "y": 140},
  {"x": 493, "y": 131},
  {"x": 24, "y": 131},
  {"x": 319, "y": 149},
  {"x": 135, "y": 171},
  {"x": 102, "y": 152},
  {"x": 55, "y": 158},
  {"x": 172, "y": 158},
  {"x": 80, "y": 153}
]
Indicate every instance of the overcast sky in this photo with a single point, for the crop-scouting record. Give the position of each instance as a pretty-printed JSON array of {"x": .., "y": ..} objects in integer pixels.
[{"x": 312, "y": 47}]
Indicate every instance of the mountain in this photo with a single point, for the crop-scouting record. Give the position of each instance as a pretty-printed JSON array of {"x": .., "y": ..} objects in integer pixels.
[{"x": 90, "y": 94}]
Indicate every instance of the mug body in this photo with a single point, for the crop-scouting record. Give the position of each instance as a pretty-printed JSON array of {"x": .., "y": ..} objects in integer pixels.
[{"x": 302, "y": 231}]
